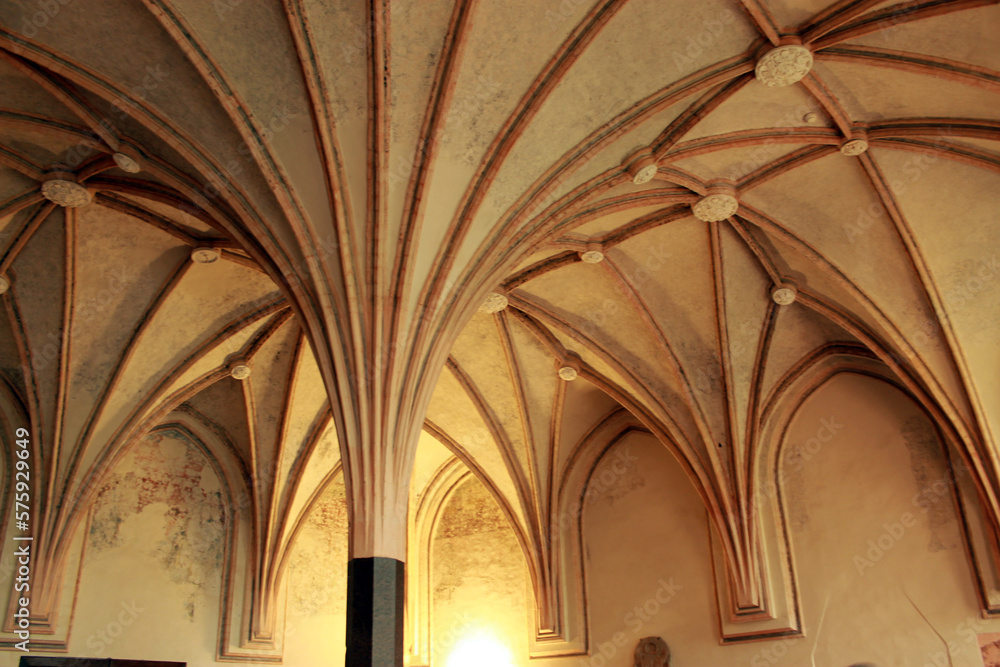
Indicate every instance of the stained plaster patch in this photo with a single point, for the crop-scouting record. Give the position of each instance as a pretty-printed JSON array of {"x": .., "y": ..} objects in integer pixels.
[
  {"x": 617, "y": 475},
  {"x": 792, "y": 479},
  {"x": 471, "y": 512},
  {"x": 934, "y": 482},
  {"x": 990, "y": 647},
  {"x": 477, "y": 564},
  {"x": 318, "y": 568},
  {"x": 165, "y": 470}
]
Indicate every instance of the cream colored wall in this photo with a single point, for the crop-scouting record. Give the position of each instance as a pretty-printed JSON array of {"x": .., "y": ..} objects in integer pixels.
[
  {"x": 861, "y": 467},
  {"x": 152, "y": 569},
  {"x": 882, "y": 571},
  {"x": 840, "y": 494},
  {"x": 316, "y": 615},
  {"x": 152, "y": 575},
  {"x": 876, "y": 535},
  {"x": 479, "y": 580}
]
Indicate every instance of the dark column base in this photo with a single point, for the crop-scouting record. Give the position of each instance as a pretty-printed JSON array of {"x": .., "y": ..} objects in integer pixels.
[{"x": 375, "y": 612}]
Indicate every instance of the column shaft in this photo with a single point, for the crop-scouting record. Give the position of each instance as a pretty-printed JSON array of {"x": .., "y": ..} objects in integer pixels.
[{"x": 375, "y": 596}]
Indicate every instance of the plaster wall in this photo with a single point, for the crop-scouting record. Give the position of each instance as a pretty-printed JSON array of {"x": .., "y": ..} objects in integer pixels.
[
  {"x": 480, "y": 585},
  {"x": 870, "y": 515},
  {"x": 150, "y": 586},
  {"x": 316, "y": 612},
  {"x": 860, "y": 466}
]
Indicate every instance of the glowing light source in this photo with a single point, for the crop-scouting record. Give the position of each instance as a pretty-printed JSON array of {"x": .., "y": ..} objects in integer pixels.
[{"x": 480, "y": 649}]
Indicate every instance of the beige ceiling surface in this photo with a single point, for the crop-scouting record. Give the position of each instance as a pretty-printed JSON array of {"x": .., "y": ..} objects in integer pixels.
[{"x": 369, "y": 171}]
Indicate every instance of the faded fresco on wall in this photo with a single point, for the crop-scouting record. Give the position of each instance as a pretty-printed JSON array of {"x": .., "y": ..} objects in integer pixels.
[
  {"x": 881, "y": 546},
  {"x": 936, "y": 481},
  {"x": 479, "y": 579},
  {"x": 990, "y": 646},
  {"x": 166, "y": 476},
  {"x": 318, "y": 567},
  {"x": 615, "y": 477},
  {"x": 316, "y": 603}
]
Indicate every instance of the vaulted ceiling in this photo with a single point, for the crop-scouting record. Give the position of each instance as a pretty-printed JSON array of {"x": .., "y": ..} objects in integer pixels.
[{"x": 367, "y": 173}]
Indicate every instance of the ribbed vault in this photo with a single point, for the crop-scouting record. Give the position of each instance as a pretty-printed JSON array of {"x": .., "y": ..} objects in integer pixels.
[{"x": 367, "y": 172}]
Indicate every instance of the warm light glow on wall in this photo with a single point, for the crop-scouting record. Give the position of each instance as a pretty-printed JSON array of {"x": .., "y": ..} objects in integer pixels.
[{"x": 480, "y": 649}]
